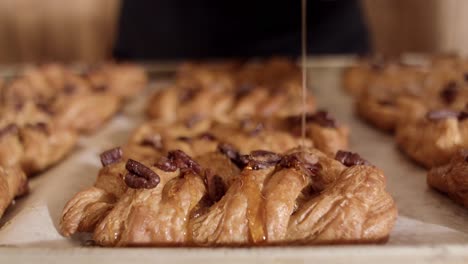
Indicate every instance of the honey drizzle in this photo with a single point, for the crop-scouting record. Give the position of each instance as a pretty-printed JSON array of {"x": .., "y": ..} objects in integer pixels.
[{"x": 304, "y": 70}]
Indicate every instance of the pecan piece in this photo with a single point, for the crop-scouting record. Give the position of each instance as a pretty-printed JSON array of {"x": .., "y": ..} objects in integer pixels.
[
  {"x": 183, "y": 161},
  {"x": 294, "y": 160},
  {"x": 463, "y": 115},
  {"x": 216, "y": 187},
  {"x": 177, "y": 159},
  {"x": 436, "y": 115},
  {"x": 232, "y": 153},
  {"x": 261, "y": 159},
  {"x": 111, "y": 156},
  {"x": 140, "y": 176},
  {"x": 322, "y": 118},
  {"x": 449, "y": 92},
  {"x": 349, "y": 159},
  {"x": 166, "y": 164}
]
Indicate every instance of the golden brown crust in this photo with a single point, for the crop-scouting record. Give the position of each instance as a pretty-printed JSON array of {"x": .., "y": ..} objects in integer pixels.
[
  {"x": 13, "y": 182},
  {"x": 432, "y": 142},
  {"x": 399, "y": 97},
  {"x": 452, "y": 177},
  {"x": 155, "y": 138},
  {"x": 43, "y": 109},
  {"x": 272, "y": 88},
  {"x": 305, "y": 198}
]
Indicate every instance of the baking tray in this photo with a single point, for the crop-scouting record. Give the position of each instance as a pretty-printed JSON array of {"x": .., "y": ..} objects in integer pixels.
[{"x": 430, "y": 227}]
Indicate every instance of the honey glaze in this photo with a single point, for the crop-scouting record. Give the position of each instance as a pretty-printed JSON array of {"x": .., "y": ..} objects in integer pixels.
[
  {"x": 255, "y": 199},
  {"x": 304, "y": 70}
]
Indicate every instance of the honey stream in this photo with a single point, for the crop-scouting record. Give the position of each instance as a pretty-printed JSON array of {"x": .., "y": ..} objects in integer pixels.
[{"x": 304, "y": 69}]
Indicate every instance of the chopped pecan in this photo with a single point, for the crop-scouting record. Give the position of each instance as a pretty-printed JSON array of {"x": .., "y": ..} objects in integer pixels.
[
  {"x": 350, "y": 159},
  {"x": 140, "y": 176},
  {"x": 166, "y": 164},
  {"x": 261, "y": 159},
  {"x": 294, "y": 160},
  {"x": 216, "y": 187},
  {"x": 232, "y": 153},
  {"x": 111, "y": 156},
  {"x": 322, "y": 118},
  {"x": 177, "y": 159},
  {"x": 436, "y": 115},
  {"x": 463, "y": 115},
  {"x": 449, "y": 92},
  {"x": 183, "y": 161}
]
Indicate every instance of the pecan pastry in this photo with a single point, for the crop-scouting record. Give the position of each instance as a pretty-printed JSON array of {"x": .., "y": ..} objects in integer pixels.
[
  {"x": 13, "y": 183},
  {"x": 43, "y": 108},
  {"x": 34, "y": 146},
  {"x": 426, "y": 106},
  {"x": 155, "y": 138},
  {"x": 452, "y": 178},
  {"x": 433, "y": 139},
  {"x": 86, "y": 113},
  {"x": 356, "y": 77},
  {"x": 122, "y": 80},
  {"x": 252, "y": 89},
  {"x": 82, "y": 102},
  {"x": 300, "y": 197},
  {"x": 441, "y": 84}
]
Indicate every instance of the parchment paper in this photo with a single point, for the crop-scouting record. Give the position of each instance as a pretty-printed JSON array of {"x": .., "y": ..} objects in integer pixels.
[{"x": 426, "y": 217}]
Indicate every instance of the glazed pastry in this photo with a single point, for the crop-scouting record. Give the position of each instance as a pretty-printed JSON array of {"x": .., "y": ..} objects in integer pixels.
[
  {"x": 440, "y": 85},
  {"x": 155, "y": 138},
  {"x": 34, "y": 146},
  {"x": 13, "y": 183},
  {"x": 83, "y": 102},
  {"x": 122, "y": 80},
  {"x": 424, "y": 105},
  {"x": 234, "y": 90},
  {"x": 43, "y": 108},
  {"x": 452, "y": 177},
  {"x": 433, "y": 139},
  {"x": 86, "y": 113},
  {"x": 219, "y": 199}
]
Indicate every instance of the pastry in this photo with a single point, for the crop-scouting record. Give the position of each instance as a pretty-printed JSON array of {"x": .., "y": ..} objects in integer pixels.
[
  {"x": 263, "y": 198},
  {"x": 439, "y": 85},
  {"x": 44, "y": 108},
  {"x": 13, "y": 183},
  {"x": 234, "y": 90},
  {"x": 433, "y": 139},
  {"x": 34, "y": 146},
  {"x": 275, "y": 134},
  {"x": 123, "y": 80},
  {"x": 452, "y": 177},
  {"x": 424, "y": 105}
]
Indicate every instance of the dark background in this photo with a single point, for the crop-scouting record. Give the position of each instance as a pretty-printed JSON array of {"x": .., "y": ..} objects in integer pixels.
[{"x": 178, "y": 29}]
